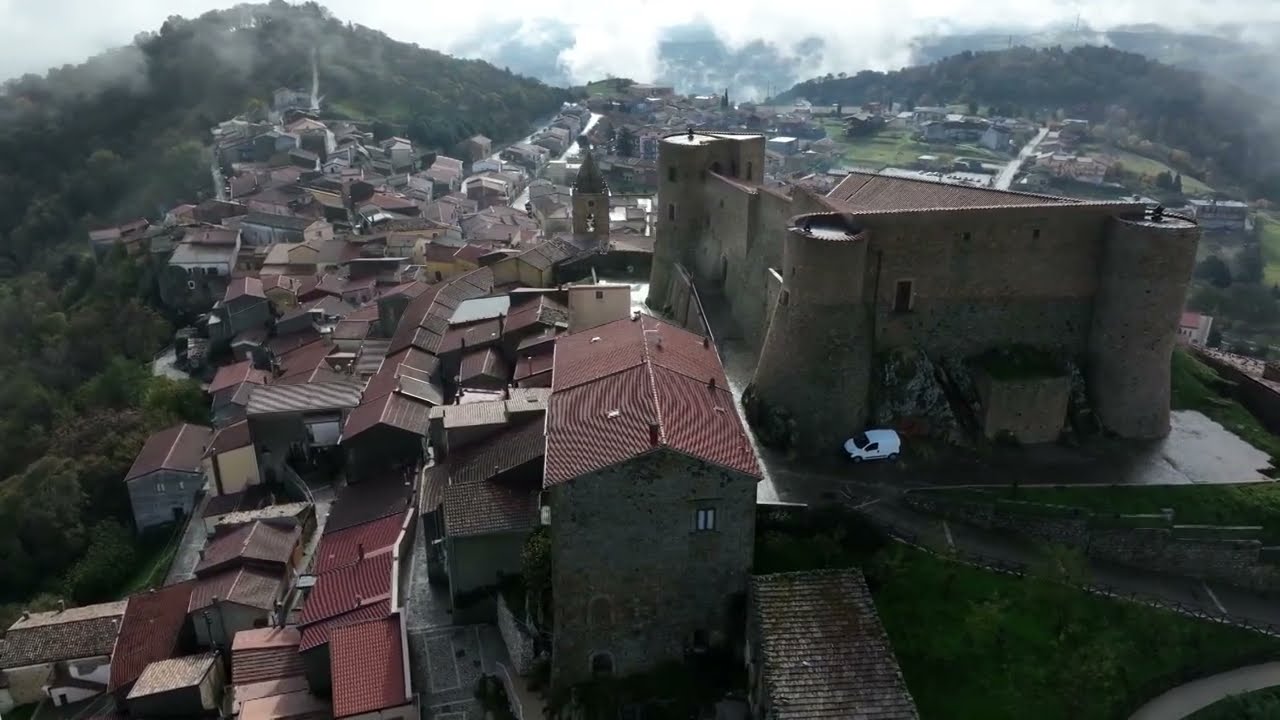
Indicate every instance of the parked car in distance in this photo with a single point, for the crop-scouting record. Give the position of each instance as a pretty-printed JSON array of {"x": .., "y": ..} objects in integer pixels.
[{"x": 873, "y": 445}]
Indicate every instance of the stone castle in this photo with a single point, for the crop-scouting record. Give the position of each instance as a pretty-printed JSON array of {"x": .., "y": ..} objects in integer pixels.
[{"x": 823, "y": 286}]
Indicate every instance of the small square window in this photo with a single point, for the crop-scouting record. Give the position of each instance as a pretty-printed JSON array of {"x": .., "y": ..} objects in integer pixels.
[
  {"x": 966, "y": 236},
  {"x": 1035, "y": 233},
  {"x": 704, "y": 519},
  {"x": 599, "y": 294}
]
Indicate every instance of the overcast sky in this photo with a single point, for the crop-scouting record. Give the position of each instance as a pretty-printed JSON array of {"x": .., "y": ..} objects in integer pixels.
[{"x": 37, "y": 35}]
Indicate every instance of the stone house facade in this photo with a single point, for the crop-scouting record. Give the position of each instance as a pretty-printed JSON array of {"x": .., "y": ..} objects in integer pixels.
[{"x": 651, "y": 484}]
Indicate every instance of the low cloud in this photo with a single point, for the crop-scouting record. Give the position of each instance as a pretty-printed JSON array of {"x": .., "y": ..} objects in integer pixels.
[{"x": 592, "y": 40}]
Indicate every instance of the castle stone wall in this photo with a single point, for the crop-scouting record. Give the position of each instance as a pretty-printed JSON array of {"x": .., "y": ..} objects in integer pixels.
[
  {"x": 1147, "y": 542},
  {"x": 986, "y": 277},
  {"x": 1032, "y": 409}
]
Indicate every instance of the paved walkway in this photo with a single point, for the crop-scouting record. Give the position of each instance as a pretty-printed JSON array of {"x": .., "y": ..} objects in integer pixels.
[
  {"x": 1186, "y": 699},
  {"x": 1211, "y": 598}
]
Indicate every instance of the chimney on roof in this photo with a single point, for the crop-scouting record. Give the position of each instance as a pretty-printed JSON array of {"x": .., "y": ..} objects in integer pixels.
[
  {"x": 62, "y": 605},
  {"x": 360, "y": 550},
  {"x": 635, "y": 315},
  {"x": 26, "y": 614},
  {"x": 712, "y": 383},
  {"x": 653, "y": 433},
  {"x": 706, "y": 341}
]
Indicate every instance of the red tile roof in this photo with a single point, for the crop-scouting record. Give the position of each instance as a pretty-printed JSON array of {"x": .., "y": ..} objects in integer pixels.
[
  {"x": 476, "y": 334},
  {"x": 317, "y": 633},
  {"x": 367, "y": 666},
  {"x": 300, "y": 364},
  {"x": 490, "y": 506},
  {"x": 247, "y": 286},
  {"x": 149, "y": 631},
  {"x": 348, "y": 588},
  {"x": 179, "y": 448},
  {"x": 344, "y": 547},
  {"x": 231, "y": 375},
  {"x": 255, "y": 542},
  {"x": 529, "y": 366},
  {"x": 471, "y": 253},
  {"x": 231, "y": 437},
  {"x": 881, "y": 193},
  {"x": 251, "y": 587},
  {"x": 265, "y": 654},
  {"x": 393, "y": 410},
  {"x": 485, "y": 363},
  {"x": 1190, "y": 320},
  {"x": 617, "y": 385}
]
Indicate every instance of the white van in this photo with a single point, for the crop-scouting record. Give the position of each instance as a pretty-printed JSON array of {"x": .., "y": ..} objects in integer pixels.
[{"x": 873, "y": 445}]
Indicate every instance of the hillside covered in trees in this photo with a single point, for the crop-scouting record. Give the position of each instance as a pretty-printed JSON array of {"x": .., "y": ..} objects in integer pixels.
[
  {"x": 1203, "y": 126},
  {"x": 126, "y": 135}
]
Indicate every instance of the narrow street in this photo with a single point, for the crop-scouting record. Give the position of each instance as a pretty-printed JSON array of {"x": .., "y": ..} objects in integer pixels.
[{"x": 1005, "y": 179}]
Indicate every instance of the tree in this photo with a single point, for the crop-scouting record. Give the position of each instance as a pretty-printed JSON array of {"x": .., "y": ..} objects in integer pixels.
[
  {"x": 1249, "y": 263},
  {"x": 95, "y": 577},
  {"x": 973, "y": 107},
  {"x": 1214, "y": 271},
  {"x": 535, "y": 568}
]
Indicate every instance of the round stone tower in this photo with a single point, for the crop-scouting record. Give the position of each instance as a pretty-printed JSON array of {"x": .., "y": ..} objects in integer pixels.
[
  {"x": 682, "y": 164},
  {"x": 1145, "y": 267},
  {"x": 815, "y": 363}
]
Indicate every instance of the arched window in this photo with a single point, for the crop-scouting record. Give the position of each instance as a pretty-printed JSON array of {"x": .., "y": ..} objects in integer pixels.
[
  {"x": 601, "y": 664},
  {"x": 600, "y": 612}
]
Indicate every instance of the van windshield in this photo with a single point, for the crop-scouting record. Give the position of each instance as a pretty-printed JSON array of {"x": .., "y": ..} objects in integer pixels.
[{"x": 860, "y": 440}]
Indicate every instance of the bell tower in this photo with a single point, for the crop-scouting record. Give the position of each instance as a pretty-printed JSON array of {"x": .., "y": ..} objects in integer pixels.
[{"x": 590, "y": 200}]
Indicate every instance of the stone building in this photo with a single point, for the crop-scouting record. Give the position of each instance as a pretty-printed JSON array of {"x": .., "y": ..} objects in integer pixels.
[
  {"x": 823, "y": 286},
  {"x": 651, "y": 483}
]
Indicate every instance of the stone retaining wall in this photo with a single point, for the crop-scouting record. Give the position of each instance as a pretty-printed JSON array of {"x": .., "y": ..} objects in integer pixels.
[
  {"x": 519, "y": 643},
  {"x": 1232, "y": 555}
]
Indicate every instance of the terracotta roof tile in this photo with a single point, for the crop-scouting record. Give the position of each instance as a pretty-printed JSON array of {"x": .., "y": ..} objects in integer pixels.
[
  {"x": 229, "y": 376},
  {"x": 483, "y": 363},
  {"x": 490, "y": 506},
  {"x": 265, "y": 654},
  {"x": 250, "y": 587},
  {"x": 256, "y": 542},
  {"x": 393, "y": 410},
  {"x": 179, "y": 448},
  {"x": 367, "y": 666},
  {"x": 339, "y": 592},
  {"x": 513, "y": 447},
  {"x": 149, "y": 631},
  {"x": 231, "y": 437},
  {"x": 317, "y": 633},
  {"x": 345, "y": 547},
  {"x": 69, "y": 634},
  {"x": 173, "y": 674},
  {"x": 614, "y": 382},
  {"x": 472, "y": 335},
  {"x": 824, "y": 652},
  {"x": 247, "y": 286},
  {"x": 870, "y": 192},
  {"x": 359, "y": 503}
]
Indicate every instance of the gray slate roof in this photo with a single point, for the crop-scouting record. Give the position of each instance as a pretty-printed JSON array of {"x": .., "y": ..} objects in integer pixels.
[{"x": 823, "y": 652}]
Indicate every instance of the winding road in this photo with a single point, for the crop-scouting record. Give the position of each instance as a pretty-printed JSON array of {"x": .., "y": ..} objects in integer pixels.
[
  {"x": 1010, "y": 171},
  {"x": 1196, "y": 695}
]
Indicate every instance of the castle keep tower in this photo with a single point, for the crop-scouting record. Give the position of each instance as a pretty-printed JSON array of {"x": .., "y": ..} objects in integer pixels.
[
  {"x": 817, "y": 368},
  {"x": 1143, "y": 276},
  {"x": 684, "y": 162},
  {"x": 590, "y": 200}
]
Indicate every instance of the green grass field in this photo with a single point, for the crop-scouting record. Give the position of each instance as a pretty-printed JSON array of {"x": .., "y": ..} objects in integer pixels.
[
  {"x": 1269, "y": 236},
  {"x": 977, "y": 644},
  {"x": 1251, "y": 504},
  {"x": 893, "y": 147},
  {"x": 1135, "y": 163},
  {"x": 1197, "y": 387}
]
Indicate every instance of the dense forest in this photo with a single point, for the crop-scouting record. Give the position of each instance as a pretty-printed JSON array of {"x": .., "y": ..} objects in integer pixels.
[
  {"x": 125, "y": 135},
  {"x": 1203, "y": 126}
]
